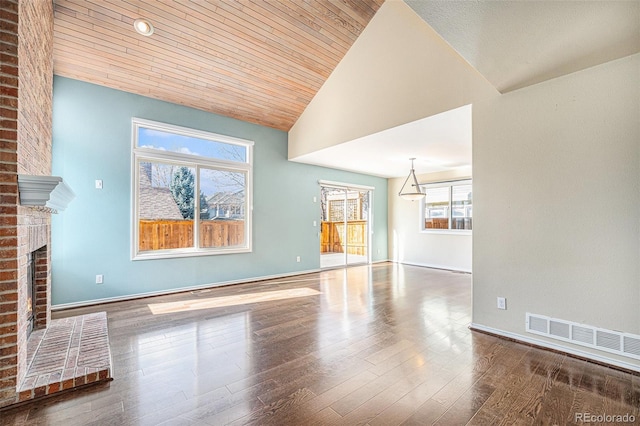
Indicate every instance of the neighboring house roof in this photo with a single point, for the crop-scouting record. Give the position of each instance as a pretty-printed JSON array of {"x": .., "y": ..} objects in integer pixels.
[
  {"x": 226, "y": 198},
  {"x": 155, "y": 202}
]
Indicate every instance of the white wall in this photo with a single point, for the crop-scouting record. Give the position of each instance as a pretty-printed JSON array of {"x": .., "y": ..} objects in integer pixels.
[
  {"x": 407, "y": 244},
  {"x": 556, "y": 170},
  {"x": 399, "y": 70}
]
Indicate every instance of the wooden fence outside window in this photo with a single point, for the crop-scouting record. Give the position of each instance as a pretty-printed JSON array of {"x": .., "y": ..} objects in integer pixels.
[
  {"x": 331, "y": 239},
  {"x": 173, "y": 234}
]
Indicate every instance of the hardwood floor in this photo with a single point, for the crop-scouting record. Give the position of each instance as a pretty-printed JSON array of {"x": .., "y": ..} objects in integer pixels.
[{"x": 379, "y": 345}]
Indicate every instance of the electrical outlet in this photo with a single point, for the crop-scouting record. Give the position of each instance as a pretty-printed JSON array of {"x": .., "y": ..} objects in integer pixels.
[
  {"x": 298, "y": 259},
  {"x": 502, "y": 303},
  {"x": 99, "y": 279}
]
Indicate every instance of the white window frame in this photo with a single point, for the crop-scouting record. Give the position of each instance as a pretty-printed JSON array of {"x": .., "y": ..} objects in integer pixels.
[
  {"x": 423, "y": 206},
  {"x": 139, "y": 155}
]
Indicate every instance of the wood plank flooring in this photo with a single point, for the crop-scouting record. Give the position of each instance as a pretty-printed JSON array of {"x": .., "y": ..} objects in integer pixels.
[{"x": 385, "y": 345}]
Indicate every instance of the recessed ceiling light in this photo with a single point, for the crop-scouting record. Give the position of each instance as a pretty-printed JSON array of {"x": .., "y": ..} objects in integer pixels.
[{"x": 143, "y": 26}]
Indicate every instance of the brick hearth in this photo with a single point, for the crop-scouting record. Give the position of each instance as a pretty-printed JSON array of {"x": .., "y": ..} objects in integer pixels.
[
  {"x": 29, "y": 367},
  {"x": 70, "y": 352}
]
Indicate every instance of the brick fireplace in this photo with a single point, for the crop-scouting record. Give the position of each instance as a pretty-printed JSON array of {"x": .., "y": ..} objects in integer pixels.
[
  {"x": 25, "y": 148},
  {"x": 26, "y": 80}
]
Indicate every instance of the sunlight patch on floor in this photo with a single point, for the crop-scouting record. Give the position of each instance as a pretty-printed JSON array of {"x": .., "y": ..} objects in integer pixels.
[{"x": 237, "y": 299}]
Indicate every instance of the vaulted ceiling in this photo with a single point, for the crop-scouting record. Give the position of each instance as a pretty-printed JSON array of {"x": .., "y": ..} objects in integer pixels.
[
  {"x": 258, "y": 61},
  {"x": 515, "y": 44},
  {"x": 263, "y": 61}
]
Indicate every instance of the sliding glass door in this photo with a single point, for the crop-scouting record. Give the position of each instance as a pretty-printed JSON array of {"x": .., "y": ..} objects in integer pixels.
[{"x": 345, "y": 217}]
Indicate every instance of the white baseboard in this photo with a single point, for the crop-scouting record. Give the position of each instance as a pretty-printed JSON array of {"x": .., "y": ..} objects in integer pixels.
[
  {"x": 62, "y": 306},
  {"x": 428, "y": 265},
  {"x": 560, "y": 348}
]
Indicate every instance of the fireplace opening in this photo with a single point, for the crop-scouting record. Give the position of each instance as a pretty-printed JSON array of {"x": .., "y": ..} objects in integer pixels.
[{"x": 31, "y": 293}]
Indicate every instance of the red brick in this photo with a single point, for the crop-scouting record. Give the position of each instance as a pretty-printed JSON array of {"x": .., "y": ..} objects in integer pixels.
[
  {"x": 8, "y": 318},
  {"x": 11, "y": 326},
  {"x": 10, "y": 5},
  {"x": 9, "y": 145},
  {"x": 9, "y": 123},
  {"x": 8, "y": 102},
  {"x": 10, "y": 27},
  {"x": 9, "y": 156},
  {"x": 8, "y": 46},
  {"x": 25, "y": 395},
  {"x": 8, "y": 134},
  {"x": 9, "y": 297},
  {"x": 9, "y": 361},
  {"x": 9, "y": 58},
  {"x": 8, "y": 91},
  {"x": 9, "y": 38},
  {"x": 10, "y": 339},
  {"x": 9, "y": 167},
  {"x": 8, "y": 373},
  {"x": 8, "y": 263},
  {"x": 4, "y": 286},
  {"x": 53, "y": 388},
  {"x": 92, "y": 377},
  {"x": 7, "y": 14},
  {"x": 7, "y": 397},
  {"x": 8, "y": 199},
  {"x": 32, "y": 126},
  {"x": 8, "y": 212},
  {"x": 67, "y": 384},
  {"x": 8, "y": 231},
  {"x": 7, "y": 253},
  {"x": 8, "y": 275},
  {"x": 40, "y": 391},
  {"x": 8, "y": 382},
  {"x": 9, "y": 113},
  {"x": 8, "y": 241}
]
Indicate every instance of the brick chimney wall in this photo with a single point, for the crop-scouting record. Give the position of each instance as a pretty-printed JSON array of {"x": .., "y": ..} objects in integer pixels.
[{"x": 26, "y": 81}]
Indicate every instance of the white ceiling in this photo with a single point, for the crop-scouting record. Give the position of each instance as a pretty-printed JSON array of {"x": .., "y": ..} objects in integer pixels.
[
  {"x": 513, "y": 44},
  {"x": 440, "y": 142}
]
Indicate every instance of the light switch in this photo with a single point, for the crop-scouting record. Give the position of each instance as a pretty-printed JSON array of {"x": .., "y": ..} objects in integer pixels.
[{"x": 98, "y": 183}]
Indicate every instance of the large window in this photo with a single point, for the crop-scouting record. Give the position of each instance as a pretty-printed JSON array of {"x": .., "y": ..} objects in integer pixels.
[
  {"x": 192, "y": 192},
  {"x": 447, "y": 206}
]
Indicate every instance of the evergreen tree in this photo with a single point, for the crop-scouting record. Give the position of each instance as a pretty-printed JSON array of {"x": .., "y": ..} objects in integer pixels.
[
  {"x": 182, "y": 188},
  {"x": 204, "y": 207}
]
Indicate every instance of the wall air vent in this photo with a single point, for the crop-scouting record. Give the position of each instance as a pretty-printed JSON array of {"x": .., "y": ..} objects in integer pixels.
[
  {"x": 560, "y": 329},
  {"x": 616, "y": 342},
  {"x": 539, "y": 324},
  {"x": 582, "y": 334},
  {"x": 605, "y": 339},
  {"x": 631, "y": 345}
]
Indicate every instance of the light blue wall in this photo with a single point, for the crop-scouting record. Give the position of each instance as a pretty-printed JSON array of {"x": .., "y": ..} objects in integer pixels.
[{"x": 92, "y": 140}]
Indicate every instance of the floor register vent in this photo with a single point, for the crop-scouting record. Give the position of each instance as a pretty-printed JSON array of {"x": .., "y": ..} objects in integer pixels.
[{"x": 616, "y": 342}]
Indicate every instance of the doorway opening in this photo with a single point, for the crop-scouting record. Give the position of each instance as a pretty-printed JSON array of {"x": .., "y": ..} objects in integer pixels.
[{"x": 344, "y": 225}]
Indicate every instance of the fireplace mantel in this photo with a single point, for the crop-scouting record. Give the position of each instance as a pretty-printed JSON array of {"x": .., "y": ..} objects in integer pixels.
[{"x": 44, "y": 191}]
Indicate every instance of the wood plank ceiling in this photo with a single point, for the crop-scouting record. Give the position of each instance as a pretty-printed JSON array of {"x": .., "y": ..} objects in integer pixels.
[{"x": 260, "y": 61}]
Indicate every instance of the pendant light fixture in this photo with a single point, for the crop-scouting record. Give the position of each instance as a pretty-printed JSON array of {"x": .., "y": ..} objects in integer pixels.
[{"x": 413, "y": 192}]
